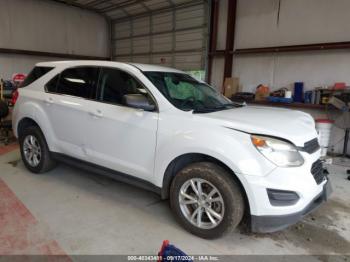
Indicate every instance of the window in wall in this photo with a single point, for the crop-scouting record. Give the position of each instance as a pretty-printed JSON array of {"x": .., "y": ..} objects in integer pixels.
[
  {"x": 79, "y": 81},
  {"x": 115, "y": 84}
]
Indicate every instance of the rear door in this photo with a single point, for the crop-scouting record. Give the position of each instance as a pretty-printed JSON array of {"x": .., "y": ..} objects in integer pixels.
[{"x": 68, "y": 104}]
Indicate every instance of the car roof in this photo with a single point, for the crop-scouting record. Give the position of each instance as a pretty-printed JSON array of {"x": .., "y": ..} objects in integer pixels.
[{"x": 142, "y": 67}]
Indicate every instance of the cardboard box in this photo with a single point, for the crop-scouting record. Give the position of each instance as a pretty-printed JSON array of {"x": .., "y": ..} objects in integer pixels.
[{"x": 231, "y": 86}]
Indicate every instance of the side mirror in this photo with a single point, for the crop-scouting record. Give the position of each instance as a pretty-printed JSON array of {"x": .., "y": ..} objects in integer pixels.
[{"x": 138, "y": 101}]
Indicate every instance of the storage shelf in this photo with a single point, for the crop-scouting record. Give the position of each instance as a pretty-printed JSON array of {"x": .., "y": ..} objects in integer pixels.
[{"x": 293, "y": 105}]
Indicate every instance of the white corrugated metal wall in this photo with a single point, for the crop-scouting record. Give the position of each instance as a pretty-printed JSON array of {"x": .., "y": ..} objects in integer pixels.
[
  {"x": 300, "y": 22},
  {"x": 46, "y": 26},
  {"x": 176, "y": 38}
]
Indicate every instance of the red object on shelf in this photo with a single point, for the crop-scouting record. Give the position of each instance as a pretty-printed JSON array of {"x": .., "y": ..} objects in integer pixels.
[
  {"x": 325, "y": 121},
  {"x": 339, "y": 86}
]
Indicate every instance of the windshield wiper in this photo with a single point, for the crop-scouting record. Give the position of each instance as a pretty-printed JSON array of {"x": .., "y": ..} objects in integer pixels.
[
  {"x": 225, "y": 105},
  {"x": 229, "y": 105},
  {"x": 236, "y": 104},
  {"x": 217, "y": 108},
  {"x": 204, "y": 110}
]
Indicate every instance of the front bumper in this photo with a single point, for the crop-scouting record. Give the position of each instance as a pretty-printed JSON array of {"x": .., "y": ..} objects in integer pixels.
[{"x": 273, "y": 223}]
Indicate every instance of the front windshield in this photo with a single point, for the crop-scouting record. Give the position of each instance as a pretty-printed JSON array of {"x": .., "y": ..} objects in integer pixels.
[{"x": 186, "y": 93}]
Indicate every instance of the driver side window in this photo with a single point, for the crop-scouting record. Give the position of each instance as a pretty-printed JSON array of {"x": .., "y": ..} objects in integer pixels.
[{"x": 115, "y": 84}]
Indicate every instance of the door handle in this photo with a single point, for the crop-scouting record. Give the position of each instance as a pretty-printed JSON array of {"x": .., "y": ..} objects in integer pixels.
[
  {"x": 96, "y": 114},
  {"x": 49, "y": 101}
]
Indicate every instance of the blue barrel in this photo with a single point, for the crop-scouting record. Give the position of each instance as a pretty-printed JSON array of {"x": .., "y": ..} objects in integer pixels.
[{"x": 298, "y": 92}]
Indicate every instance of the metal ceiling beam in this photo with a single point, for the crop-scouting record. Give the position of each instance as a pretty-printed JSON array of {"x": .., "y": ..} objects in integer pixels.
[
  {"x": 162, "y": 10},
  {"x": 75, "y": 4},
  {"x": 171, "y": 2},
  {"x": 122, "y": 5},
  {"x": 145, "y": 6},
  {"x": 96, "y": 2},
  {"x": 91, "y": 6}
]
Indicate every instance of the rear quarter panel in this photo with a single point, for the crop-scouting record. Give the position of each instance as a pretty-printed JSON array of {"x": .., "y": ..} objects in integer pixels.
[{"x": 30, "y": 104}]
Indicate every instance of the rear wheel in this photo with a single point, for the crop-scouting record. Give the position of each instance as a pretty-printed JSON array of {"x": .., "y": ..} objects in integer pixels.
[
  {"x": 206, "y": 200},
  {"x": 34, "y": 150}
]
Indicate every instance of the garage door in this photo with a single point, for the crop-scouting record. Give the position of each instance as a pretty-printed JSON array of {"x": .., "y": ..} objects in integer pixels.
[{"x": 175, "y": 37}]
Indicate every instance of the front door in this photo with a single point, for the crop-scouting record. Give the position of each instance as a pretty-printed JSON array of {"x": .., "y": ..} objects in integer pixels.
[{"x": 120, "y": 137}]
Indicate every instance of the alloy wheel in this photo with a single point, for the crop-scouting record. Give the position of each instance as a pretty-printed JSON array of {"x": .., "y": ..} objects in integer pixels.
[
  {"x": 201, "y": 203},
  {"x": 32, "y": 150}
]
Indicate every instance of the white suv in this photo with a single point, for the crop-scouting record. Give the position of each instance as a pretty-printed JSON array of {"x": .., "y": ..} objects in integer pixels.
[{"x": 161, "y": 129}]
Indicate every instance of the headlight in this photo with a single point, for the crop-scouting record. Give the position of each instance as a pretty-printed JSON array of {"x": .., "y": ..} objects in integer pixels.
[{"x": 279, "y": 152}]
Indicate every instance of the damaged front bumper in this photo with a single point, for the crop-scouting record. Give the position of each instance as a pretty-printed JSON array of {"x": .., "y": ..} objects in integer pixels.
[{"x": 269, "y": 224}]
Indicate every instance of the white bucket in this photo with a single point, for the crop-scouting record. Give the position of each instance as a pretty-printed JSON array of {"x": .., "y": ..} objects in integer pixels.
[{"x": 324, "y": 129}]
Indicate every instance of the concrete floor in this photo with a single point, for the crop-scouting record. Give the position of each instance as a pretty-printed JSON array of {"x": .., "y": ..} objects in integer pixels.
[{"x": 74, "y": 212}]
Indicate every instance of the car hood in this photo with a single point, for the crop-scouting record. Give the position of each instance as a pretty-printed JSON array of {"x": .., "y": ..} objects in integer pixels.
[{"x": 295, "y": 126}]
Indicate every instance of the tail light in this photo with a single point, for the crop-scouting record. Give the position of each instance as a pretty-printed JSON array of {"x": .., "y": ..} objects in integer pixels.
[{"x": 15, "y": 95}]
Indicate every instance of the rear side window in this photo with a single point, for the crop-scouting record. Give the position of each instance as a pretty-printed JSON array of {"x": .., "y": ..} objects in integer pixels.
[
  {"x": 79, "y": 81},
  {"x": 35, "y": 74},
  {"x": 51, "y": 86}
]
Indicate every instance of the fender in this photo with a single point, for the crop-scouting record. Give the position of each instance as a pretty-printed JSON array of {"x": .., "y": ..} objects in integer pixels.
[{"x": 230, "y": 147}]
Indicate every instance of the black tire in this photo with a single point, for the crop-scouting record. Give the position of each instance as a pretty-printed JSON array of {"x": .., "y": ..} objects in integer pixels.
[
  {"x": 46, "y": 162},
  {"x": 224, "y": 183}
]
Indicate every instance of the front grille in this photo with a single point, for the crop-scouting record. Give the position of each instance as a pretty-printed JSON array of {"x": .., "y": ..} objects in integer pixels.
[
  {"x": 311, "y": 146},
  {"x": 317, "y": 172}
]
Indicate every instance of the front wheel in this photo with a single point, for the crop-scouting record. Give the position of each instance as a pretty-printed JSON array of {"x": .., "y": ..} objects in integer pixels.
[{"x": 206, "y": 200}]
